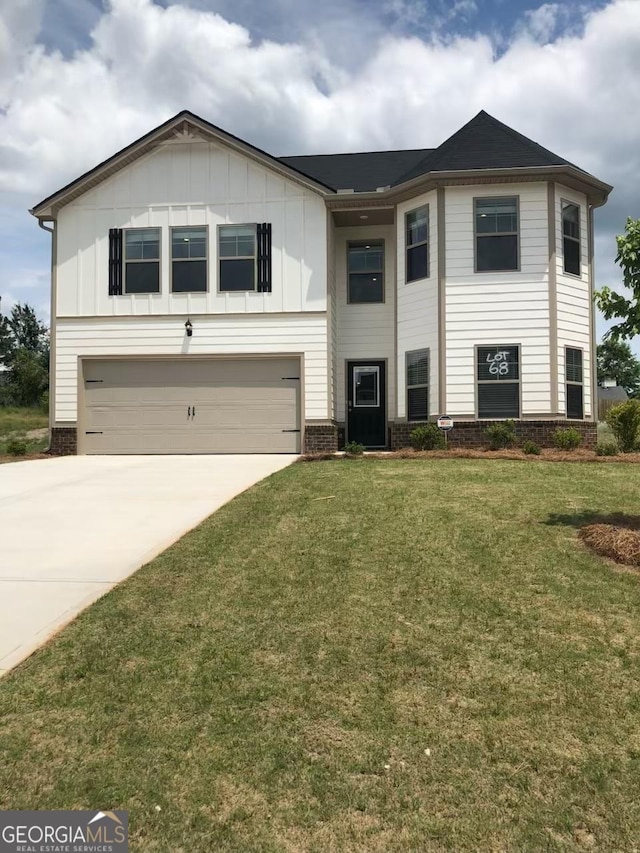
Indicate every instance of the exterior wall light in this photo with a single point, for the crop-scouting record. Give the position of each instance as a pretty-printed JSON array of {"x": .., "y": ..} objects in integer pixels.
[{"x": 189, "y": 328}]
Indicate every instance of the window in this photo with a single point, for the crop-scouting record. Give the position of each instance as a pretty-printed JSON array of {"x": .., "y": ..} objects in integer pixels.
[
  {"x": 571, "y": 237},
  {"x": 498, "y": 382},
  {"x": 418, "y": 385},
  {"x": 142, "y": 260},
  {"x": 189, "y": 259},
  {"x": 366, "y": 385},
  {"x": 417, "y": 237},
  {"x": 496, "y": 226},
  {"x": 237, "y": 257},
  {"x": 573, "y": 383},
  {"x": 365, "y": 265}
]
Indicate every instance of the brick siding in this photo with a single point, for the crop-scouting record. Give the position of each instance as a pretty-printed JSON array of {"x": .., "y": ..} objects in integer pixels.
[
  {"x": 64, "y": 441},
  {"x": 321, "y": 438},
  {"x": 471, "y": 433}
]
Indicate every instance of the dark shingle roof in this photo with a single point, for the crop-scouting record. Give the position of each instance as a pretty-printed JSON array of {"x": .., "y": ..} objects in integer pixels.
[
  {"x": 483, "y": 143},
  {"x": 359, "y": 172},
  {"x": 616, "y": 393}
]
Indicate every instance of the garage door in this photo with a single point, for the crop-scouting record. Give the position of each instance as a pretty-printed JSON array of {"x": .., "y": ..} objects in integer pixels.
[{"x": 235, "y": 405}]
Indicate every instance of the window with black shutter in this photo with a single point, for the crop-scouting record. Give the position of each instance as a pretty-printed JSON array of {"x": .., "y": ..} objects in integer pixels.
[
  {"x": 571, "y": 237},
  {"x": 418, "y": 385},
  {"x": 574, "y": 384},
  {"x": 245, "y": 258},
  {"x": 142, "y": 260},
  {"x": 498, "y": 381}
]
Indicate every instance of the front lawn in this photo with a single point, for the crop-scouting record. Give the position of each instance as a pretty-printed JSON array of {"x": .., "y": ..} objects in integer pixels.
[{"x": 356, "y": 656}]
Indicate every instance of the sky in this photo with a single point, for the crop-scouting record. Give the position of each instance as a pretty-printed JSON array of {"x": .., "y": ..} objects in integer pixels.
[{"x": 80, "y": 79}]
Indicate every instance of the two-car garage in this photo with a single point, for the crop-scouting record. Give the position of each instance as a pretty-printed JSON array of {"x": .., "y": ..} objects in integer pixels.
[{"x": 190, "y": 405}]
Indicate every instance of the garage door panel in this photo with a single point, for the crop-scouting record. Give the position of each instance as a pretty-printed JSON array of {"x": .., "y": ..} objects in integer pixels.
[{"x": 242, "y": 405}]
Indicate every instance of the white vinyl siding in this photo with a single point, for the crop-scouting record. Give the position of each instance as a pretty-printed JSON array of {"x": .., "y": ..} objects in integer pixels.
[
  {"x": 489, "y": 307},
  {"x": 365, "y": 331},
  {"x": 574, "y": 300},
  {"x": 418, "y": 305},
  {"x": 193, "y": 184},
  {"x": 140, "y": 336}
]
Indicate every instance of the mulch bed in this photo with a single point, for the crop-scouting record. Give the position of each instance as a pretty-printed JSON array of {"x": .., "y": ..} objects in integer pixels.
[
  {"x": 546, "y": 455},
  {"x": 618, "y": 539},
  {"x": 4, "y": 458}
]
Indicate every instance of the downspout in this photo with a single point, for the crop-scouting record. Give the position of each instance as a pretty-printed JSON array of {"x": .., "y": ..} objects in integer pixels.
[{"x": 52, "y": 335}]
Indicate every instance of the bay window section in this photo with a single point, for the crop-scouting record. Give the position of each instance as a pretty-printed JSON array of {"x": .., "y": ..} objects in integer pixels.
[
  {"x": 498, "y": 382},
  {"x": 496, "y": 234},
  {"x": 417, "y": 243}
]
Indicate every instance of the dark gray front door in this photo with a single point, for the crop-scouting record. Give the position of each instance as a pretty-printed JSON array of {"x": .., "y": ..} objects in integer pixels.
[{"x": 367, "y": 403}]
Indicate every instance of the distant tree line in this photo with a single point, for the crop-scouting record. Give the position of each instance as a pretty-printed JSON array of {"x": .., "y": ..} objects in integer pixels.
[{"x": 24, "y": 358}]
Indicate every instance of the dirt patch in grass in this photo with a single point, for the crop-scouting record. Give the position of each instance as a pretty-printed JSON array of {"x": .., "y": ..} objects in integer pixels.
[{"x": 4, "y": 458}]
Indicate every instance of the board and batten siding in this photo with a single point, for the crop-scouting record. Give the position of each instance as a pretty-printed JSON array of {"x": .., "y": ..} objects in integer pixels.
[
  {"x": 165, "y": 336},
  {"x": 417, "y": 305},
  {"x": 196, "y": 183},
  {"x": 365, "y": 331},
  {"x": 497, "y": 307},
  {"x": 574, "y": 299}
]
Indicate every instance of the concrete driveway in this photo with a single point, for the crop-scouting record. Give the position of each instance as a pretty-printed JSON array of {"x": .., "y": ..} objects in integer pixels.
[{"x": 73, "y": 527}]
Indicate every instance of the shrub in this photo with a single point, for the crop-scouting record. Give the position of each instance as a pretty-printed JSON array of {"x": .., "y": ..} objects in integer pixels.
[
  {"x": 44, "y": 401},
  {"x": 606, "y": 448},
  {"x": 567, "y": 439},
  {"x": 353, "y": 448},
  {"x": 427, "y": 437},
  {"x": 16, "y": 447},
  {"x": 624, "y": 421},
  {"x": 501, "y": 435},
  {"x": 530, "y": 448}
]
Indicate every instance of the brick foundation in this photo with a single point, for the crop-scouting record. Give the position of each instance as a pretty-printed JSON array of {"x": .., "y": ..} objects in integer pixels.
[
  {"x": 64, "y": 441},
  {"x": 321, "y": 438},
  {"x": 471, "y": 433}
]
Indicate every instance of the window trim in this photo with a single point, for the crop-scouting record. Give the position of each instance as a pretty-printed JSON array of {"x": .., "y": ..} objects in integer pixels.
[
  {"x": 253, "y": 225},
  {"x": 362, "y": 242},
  {"x": 426, "y": 242},
  {"x": 564, "y": 201},
  {"x": 571, "y": 382},
  {"x": 159, "y": 229},
  {"x": 426, "y": 384},
  {"x": 518, "y": 266},
  {"x": 183, "y": 260},
  {"x": 477, "y": 381}
]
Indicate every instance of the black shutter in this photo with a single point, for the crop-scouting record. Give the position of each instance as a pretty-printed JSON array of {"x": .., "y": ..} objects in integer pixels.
[
  {"x": 115, "y": 261},
  {"x": 264, "y": 257}
]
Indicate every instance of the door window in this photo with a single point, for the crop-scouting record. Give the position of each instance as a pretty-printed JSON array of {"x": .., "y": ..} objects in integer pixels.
[{"x": 366, "y": 386}]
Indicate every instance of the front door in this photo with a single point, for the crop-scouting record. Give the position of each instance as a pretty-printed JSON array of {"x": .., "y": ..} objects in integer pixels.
[{"x": 366, "y": 403}]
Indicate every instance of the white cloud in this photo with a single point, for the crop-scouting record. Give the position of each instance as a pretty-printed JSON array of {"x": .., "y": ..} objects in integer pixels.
[{"x": 577, "y": 94}]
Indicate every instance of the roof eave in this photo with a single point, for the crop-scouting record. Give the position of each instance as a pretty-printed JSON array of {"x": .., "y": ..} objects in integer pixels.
[{"x": 596, "y": 190}]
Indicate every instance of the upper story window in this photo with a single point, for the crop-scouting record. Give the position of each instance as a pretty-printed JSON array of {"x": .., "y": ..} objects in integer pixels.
[
  {"x": 417, "y": 242},
  {"x": 142, "y": 260},
  {"x": 245, "y": 258},
  {"x": 498, "y": 381},
  {"x": 237, "y": 249},
  {"x": 571, "y": 237},
  {"x": 365, "y": 271},
  {"x": 574, "y": 383},
  {"x": 418, "y": 385},
  {"x": 189, "y": 259},
  {"x": 496, "y": 229}
]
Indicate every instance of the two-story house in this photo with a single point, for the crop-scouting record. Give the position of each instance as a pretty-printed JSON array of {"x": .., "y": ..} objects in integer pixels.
[{"x": 208, "y": 297}]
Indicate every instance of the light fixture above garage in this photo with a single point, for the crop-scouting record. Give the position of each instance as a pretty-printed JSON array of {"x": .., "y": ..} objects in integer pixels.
[
  {"x": 363, "y": 216},
  {"x": 189, "y": 328}
]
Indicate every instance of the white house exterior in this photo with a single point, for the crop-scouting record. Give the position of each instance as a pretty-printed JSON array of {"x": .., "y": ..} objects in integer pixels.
[{"x": 207, "y": 297}]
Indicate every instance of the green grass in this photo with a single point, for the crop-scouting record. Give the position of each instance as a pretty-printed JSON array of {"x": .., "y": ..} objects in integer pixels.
[
  {"x": 16, "y": 422},
  {"x": 273, "y": 680}
]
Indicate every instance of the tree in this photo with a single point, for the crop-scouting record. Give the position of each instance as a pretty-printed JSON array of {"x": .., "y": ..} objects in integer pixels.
[
  {"x": 27, "y": 331},
  {"x": 29, "y": 378},
  {"x": 614, "y": 305},
  {"x": 616, "y": 361},
  {"x": 6, "y": 341}
]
